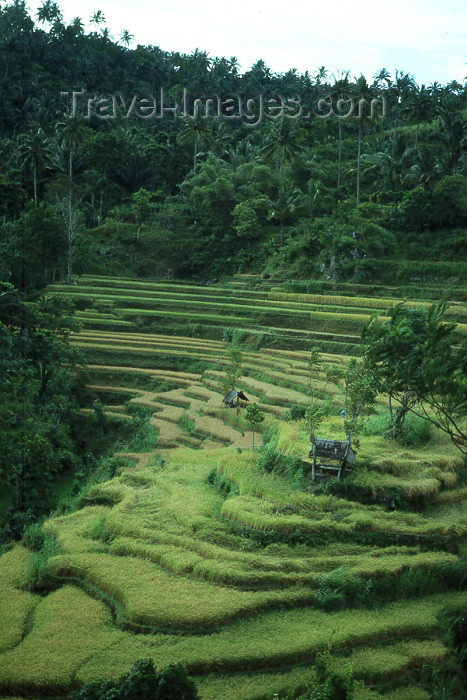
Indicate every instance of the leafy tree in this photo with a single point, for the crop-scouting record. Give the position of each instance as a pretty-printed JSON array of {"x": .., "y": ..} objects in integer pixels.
[
  {"x": 68, "y": 207},
  {"x": 141, "y": 207},
  {"x": 418, "y": 360},
  {"x": 318, "y": 409},
  {"x": 233, "y": 369},
  {"x": 254, "y": 417},
  {"x": 36, "y": 396},
  {"x": 360, "y": 392}
]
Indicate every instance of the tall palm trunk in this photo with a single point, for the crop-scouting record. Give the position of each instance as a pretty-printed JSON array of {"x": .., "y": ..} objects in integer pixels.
[
  {"x": 358, "y": 160},
  {"x": 339, "y": 155},
  {"x": 194, "y": 154},
  {"x": 34, "y": 175}
]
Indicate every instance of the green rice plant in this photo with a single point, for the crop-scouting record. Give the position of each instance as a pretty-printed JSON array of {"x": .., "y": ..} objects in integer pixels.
[
  {"x": 282, "y": 637},
  {"x": 73, "y": 531},
  {"x": 153, "y": 597},
  {"x": 15, "y": 605},
  {"x": 15, "y": 609},
  {"x": 68, "y": 627}
]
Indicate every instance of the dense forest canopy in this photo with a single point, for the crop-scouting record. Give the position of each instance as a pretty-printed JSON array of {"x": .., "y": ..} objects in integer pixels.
[{"x": 333, "y": 191}]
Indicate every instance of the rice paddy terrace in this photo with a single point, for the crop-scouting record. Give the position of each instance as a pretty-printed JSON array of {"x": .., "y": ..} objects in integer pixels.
[{"x": 194, "y": 552}]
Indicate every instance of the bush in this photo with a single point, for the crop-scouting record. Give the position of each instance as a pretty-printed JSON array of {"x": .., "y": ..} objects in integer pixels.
[
  {"x": 36, "y": 575},
  {"x": 142, "y": 682},
  {"x": 295, "y": 412},
  {"x": 34, "y": 537},
  {"x": 416, "y": 431},
  {"x": 222, "y": 483},
  {"x": 331, "y": 683}
]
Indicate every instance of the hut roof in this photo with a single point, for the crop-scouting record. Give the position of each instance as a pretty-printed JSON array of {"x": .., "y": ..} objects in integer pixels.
[
  {"x": 233, "y": 394},
  {"x": 332, "y": 448}
]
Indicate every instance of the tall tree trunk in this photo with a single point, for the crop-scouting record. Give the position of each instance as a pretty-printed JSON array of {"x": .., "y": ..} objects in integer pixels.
[
  {"x": 34, "y": 174},
  {"x": 339, "y": 155},
  {"x": 358, "y": 161}
]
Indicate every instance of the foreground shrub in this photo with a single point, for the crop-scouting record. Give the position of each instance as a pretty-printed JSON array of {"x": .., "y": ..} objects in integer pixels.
[
  {"x": 415, "y": 432},
  {"x": 331, "y": 683},
  {"x": 142, "y": 682},
  {"x": 36, "y": 574}
]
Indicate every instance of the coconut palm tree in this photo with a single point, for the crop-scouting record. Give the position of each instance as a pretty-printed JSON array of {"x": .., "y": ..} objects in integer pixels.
[
  {"x": 97, "y": 18},
  {"x": 364, "y": 96},
  {"x": 197, "y": 130},
  {"x": 341, "y": 86},
  {"x": 283, "y": 143},
  {"x": 419, "y": 107},
  {"x": 126, "y": 38},
  {"x": 288, "y": 199},
  {"x": 36, "y": 152},
  {"x": 452, "y": 134},
  {"x": 49, "y": 12},
  {"x": 400, "y": 91},
  {"x": 71, "y": 134}
]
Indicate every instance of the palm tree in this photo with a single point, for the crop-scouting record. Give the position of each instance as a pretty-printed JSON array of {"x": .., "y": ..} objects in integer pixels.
[
  {"x": 422, "y": 167},
  {"x": 282, "y": 142},
  {"x": 341, "y": 85},
  {"x": 400, "y": 90},
  {"x": 364, "y": 97},
  {"x": 97, "y": 18},
  {"x": 420, "y": 107},
  {"x": 321, "y": 76},
  {"x": 382, "y": 76},
  {"x": 126, "y": 38},
  {"x": 197, "y": 130},
  {"x": 71, "y": 134},
  {"x": 288, "y": 199},
  {"x": 35, "y": 151},
  {"x": 49, "y": 12},
  {"x": 452, "y": 134},
  {"x": 77, "y": 24}
]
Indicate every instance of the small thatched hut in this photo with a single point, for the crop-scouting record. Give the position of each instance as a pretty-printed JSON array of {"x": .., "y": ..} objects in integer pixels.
[{"x": 234, "y": 399}]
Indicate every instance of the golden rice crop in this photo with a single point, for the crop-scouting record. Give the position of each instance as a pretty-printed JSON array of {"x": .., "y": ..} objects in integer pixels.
[
  {"x": 214, "y": 428},
  {"x": 163, "y": 373},
  {"x": 174, "y": 396},
  {"x": 168, "y": 412}
]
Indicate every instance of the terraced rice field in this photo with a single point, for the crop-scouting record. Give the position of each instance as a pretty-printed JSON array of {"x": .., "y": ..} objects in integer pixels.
[{"x": 196, "y": 553}]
